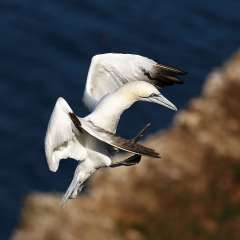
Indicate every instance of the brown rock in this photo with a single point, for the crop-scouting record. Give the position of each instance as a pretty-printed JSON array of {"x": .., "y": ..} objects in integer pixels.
[{"x": 191, "y": 193}]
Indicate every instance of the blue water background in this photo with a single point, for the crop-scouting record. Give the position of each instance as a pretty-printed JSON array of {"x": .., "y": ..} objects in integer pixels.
[{"x": 45, "y": 51}]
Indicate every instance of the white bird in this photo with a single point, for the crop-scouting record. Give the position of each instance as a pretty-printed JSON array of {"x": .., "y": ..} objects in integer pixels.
[
  {"x": 114, "y": 83},
  {"x": 110, "y": 71},
  {"x": 91, "y": 140}
]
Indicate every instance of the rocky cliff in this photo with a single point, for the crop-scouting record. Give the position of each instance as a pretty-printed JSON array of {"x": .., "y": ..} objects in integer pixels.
[{"x": 193, "y": 192}]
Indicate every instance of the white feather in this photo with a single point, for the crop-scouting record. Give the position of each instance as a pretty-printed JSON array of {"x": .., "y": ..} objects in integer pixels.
[
  {"x": 61, "y": 141},
  {"x": 110, "y": 71}
]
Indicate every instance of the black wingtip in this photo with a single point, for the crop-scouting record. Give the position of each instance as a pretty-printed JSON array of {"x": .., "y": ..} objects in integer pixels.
[
  {"x": 181, "y": 72},
  {"x": 153, "y": 153},
  {"x": 75, "y": 121},
  {"x": 157, "y": 155},
  {"x": 171, "y": 69}
]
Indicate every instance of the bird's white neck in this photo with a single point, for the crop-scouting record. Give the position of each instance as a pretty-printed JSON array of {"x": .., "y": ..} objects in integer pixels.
[{"x": 109, "y": 110}]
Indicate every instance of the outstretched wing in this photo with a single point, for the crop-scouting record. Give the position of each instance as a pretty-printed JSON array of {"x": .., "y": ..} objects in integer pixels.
[
  {"x": 127, "y": 145},
  {"x": 62, "y": 138},
  {"x": 112, "y": 139},
  {"x": 110, "y": 71}
]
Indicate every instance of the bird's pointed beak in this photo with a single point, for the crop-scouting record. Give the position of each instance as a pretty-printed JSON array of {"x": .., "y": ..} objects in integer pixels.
[{"x": 161, "y": 100}]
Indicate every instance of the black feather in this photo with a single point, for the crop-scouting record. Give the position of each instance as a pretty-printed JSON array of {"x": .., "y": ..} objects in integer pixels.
[
  {"x": 75, "y": 121},
  {"x": 164, "y": 75}
]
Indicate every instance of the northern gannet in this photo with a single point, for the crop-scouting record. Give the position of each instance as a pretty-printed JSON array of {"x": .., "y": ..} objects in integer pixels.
[
  {"x": 114, "y": 83},
  {"x": 92, "y": 140}
]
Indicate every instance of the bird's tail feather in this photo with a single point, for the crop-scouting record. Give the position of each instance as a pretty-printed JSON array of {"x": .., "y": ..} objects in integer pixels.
[
  {"x": 82, "y": 173},
  {"x": 74, "y": 188}
]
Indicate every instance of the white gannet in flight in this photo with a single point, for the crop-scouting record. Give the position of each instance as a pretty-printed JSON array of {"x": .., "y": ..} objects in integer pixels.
[
  {"x": 114, "y": 83},
  {"x": 110, "y": 71},
  {"x": 91, "y": 140}
]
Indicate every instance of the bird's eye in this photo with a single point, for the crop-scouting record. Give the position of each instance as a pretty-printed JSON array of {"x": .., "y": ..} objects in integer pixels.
[{"x": 153, "y": 95}]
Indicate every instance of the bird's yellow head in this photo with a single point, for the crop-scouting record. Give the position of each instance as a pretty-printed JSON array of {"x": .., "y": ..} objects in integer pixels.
[{"x": 145, "y": 91}]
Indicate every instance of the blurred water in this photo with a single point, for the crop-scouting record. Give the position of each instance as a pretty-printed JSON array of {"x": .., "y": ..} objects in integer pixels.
[{"x": 45, "y": 50}]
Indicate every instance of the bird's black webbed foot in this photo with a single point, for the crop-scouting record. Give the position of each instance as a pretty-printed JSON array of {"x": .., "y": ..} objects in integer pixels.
[
  {"x": 133, "y": 160},
  {"x": 136, "y": 158}
]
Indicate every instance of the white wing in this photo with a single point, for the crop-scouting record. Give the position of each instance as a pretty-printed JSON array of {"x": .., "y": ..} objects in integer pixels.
[
  {"x": 62, "y": 140},
  {"x": 110, "y": 71}
]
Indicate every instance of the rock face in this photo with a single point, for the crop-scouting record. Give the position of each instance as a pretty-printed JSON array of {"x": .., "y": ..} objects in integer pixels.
[{"x": 193, "y": 192}]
